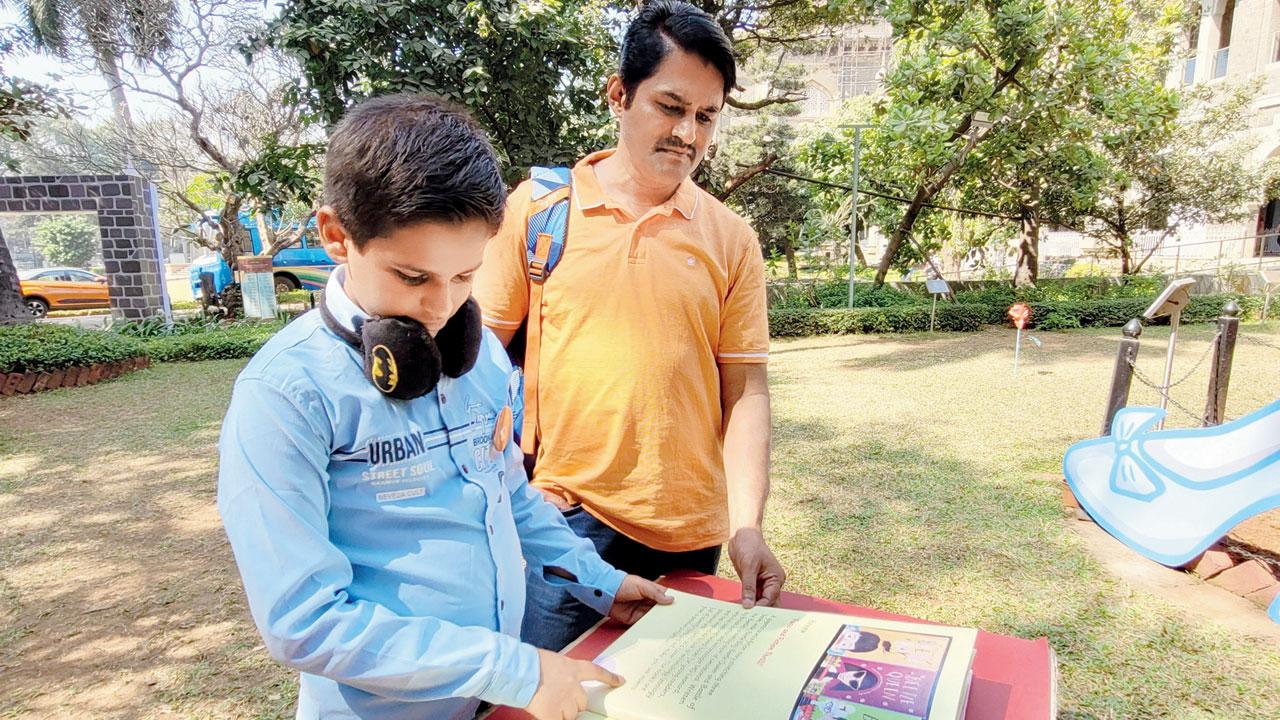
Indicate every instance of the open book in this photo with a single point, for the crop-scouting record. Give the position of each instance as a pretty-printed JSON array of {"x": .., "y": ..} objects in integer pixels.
[{"x": 713, "y": 660}]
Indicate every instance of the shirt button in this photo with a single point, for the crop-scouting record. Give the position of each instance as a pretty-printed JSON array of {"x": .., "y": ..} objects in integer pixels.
[
  {"x": 599, "y": 593},
  {"x": 464, "y": 469},
  {"x": 490, "y": 529},
  {"x": 443, "y": 399},
  {"x": 502, "y": 604}
]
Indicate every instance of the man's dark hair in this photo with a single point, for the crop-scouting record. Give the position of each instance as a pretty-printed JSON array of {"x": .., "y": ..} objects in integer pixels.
[
  {"x": 398, "y": 160},
  {"x": 664, "y": 24}
]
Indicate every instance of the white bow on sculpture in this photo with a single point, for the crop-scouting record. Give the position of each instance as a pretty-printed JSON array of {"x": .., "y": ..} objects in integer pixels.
[{"x": 1170, "y": 494}]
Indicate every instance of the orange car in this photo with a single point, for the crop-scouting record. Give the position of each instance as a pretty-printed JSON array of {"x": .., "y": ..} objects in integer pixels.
[{"x": 62, "y": 288}]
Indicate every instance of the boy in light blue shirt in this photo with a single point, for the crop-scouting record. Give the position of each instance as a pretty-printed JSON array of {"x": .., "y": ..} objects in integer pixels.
[{"x": 374, "y": 498}]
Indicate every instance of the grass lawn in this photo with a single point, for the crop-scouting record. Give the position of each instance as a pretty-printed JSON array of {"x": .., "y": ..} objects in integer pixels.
[{"x": 912, "y": 473}]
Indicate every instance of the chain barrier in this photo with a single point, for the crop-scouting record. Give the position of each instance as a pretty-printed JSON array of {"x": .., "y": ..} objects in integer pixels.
[
  {"x": 1142, "y": 378},
  {"x": 1256, "y": 341}
]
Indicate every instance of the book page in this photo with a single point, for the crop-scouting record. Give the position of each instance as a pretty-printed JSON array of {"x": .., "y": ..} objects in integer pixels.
[{"x": 713, "y": 660}]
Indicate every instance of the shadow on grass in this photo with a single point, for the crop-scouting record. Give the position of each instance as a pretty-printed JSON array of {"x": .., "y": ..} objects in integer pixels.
[
  {"x": 878, "y": 520},
  {"x": 121, "y": 592}
]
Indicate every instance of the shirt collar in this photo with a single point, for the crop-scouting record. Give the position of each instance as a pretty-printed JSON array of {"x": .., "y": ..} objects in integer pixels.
[
  {"x": 341, "y": 306},
  {"x": 588, "y": 193}
]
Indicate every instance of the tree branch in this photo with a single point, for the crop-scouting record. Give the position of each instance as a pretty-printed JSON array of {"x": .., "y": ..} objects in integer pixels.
[
  {"x": 789, "y": 97},
  {"x": 743, "y": 177}
]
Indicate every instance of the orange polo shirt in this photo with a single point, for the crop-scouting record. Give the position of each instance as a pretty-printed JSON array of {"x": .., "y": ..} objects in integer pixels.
[{"x": 636, "y": 319}]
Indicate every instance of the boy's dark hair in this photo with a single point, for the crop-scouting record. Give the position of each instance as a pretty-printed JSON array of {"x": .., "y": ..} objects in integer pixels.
[
  {"x": 397, "y": 160},
  {"x": 664, "y": 23}
]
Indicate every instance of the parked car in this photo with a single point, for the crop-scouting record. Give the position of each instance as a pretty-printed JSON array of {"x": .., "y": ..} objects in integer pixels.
[{"x": 62, "y": 288}]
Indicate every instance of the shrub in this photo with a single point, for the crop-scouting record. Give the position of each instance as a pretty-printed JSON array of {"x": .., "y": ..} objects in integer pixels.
[
  {"x": 902, "y": 318},
  {"x": 215, "y": 342},
  {"x": 969, "y": 316},
  {"x": 45, "y": 347}
]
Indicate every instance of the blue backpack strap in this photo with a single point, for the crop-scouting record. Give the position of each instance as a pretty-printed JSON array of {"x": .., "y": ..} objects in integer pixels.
[{"x": 551, "y": 187}]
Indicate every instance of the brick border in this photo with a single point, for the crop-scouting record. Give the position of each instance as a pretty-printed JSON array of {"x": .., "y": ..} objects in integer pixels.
[
  {"x": 1223, "y": 564},
  {"x": 135, "y": 274},
  {"x": 30, "y": 383}
]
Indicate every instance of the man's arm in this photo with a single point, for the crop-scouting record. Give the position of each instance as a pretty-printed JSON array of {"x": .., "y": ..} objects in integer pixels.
[
  {"x": 744, "y": 393},
  {"x": 504, "y": 335}
]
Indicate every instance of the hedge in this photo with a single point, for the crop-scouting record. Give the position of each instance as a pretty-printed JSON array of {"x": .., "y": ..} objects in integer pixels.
[
  {"x": 45, "y": 347},
  {"x": 835, "y": 293},
  {"x": 198, "y": 339},
  {"x": 236, "y": 341},
  {"x": 963, "y": 317}
]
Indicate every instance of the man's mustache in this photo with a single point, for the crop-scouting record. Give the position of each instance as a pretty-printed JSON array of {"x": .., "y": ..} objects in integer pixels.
[{"x": 678, "y": 146}]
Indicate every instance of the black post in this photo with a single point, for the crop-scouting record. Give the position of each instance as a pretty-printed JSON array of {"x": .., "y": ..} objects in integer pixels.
[
  {"x": 1223, "y": 352},
  {"x": 1122, "y": 375}
]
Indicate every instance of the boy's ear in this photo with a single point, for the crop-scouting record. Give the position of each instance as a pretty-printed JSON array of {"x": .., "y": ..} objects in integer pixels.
[{"x": 332, "y": 234}]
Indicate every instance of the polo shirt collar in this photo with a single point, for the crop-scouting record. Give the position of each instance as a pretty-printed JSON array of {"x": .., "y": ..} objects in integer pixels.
[{"x": 589, "y": 194}]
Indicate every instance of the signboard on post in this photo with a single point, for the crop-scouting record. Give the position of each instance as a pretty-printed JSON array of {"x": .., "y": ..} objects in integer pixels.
[
  {"x": 1019, "y": 313},
  {"x": 1170, "y": 302},
  {"x": 257, "y": 284},
  {"x": 937, "y": 286}
]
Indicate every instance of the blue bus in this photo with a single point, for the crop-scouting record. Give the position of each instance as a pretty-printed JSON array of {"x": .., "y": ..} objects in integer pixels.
[{"x": 302, "y": 266}]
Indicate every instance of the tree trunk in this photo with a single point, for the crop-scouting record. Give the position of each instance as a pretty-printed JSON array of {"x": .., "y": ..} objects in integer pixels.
[
  {"x": 1028, "y": 270},
  {"x": 234, "y": 238},
  {"x": 107, "y": 64},
  {"x": 789, "y": 249},
  {"x": 924, "y": 194},
  {"x": 1126, "y": 258},
  {"x": 12, "y": 309},
  {"x": 899, "y": 235},
  {"x": 857, "y": 246}
]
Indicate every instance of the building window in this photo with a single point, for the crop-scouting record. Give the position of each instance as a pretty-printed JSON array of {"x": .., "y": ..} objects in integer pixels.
[
  {"x": 861, "y": 61},
  {"x": 816, "y": 103},
  {"x": 1220, "y": 63}
]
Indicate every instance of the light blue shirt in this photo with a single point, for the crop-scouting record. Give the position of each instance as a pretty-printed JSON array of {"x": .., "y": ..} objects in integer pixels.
[{"x": 380, "y": 541}]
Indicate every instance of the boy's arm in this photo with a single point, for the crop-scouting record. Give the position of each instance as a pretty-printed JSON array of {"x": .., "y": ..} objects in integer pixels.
[
  {"x": 272, "y": 494},
  {"x": 549, "y": 544}
]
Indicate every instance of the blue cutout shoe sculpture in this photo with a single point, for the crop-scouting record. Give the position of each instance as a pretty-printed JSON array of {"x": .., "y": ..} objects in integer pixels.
[{"x": 1170, "y": 494}]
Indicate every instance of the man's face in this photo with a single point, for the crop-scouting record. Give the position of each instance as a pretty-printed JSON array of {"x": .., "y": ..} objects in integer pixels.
[
  {"x": 668, "y": 122},
  {"x": 423, "y": 271}
]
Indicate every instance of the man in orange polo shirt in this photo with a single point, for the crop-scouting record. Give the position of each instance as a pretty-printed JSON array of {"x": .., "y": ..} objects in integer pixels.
[{"x": 652, "y": 402}]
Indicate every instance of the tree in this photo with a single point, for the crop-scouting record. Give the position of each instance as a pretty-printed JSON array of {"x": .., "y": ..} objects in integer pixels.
[
  {"x": 532, "y": 73},
  {"x": 775, "y": 206},
  {"x": 261, "y": 151},
  {"x": 102, "y": 30},
  {"x": 1102, "y": 72},
  {"x": 22, "y": 105},
  {"x": 67, "y": 240},
  {"x": 953, "y": 62},
  {"x": 1195, "y": 170}
]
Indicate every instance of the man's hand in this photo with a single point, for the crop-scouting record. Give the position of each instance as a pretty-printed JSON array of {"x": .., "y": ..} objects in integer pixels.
[
  {"x": 560, "y": 695},
  {"x": 762, "y": 575},
  {"x": 635, "y": 596}
]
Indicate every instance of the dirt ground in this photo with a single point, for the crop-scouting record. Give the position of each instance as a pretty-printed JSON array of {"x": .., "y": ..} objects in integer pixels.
[{"x": 120, "y": 595}]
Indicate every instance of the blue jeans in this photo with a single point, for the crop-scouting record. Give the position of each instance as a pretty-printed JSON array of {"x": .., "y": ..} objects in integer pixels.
[{"x": 553, "y": 618}]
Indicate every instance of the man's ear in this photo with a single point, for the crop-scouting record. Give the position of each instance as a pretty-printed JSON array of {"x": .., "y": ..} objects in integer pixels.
[
  {"x": 615, "y": 94},
  {"x": 333, "y": 235}
]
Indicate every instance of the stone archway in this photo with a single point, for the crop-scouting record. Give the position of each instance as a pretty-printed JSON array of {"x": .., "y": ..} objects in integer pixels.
[{"x": 126, "y": 223}]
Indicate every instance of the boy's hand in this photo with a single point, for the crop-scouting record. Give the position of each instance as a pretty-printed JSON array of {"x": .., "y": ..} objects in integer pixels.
[
  {"x": 560, "y": 695},
  {"x": 635, "y": 596}
]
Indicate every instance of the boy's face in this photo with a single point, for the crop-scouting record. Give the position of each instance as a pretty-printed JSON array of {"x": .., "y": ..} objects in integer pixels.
[
  {"x": 671, "y": 119},
  {"x": 422, "y": 271}
]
